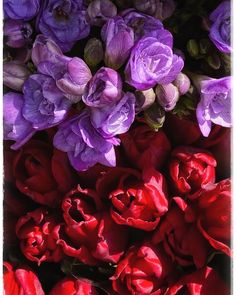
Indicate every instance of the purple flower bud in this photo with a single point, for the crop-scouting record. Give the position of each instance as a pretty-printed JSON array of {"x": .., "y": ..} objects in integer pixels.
[
  {"x": 220, "y": 31},
  {"x": 24, "y": 10},
  {"x": 116, "y": 119},
  {"x": 44, "y": 49},
  {"x": 17, "y": 33},
  {"x": 14, "y": 75},
  {"x": 15, "y": 126},
  {"x": 104, "y": 89},
  {"x": 71, "y": 75},
  {"x": 119, "y": 40},
  {"x": 157, "y": 8},
  {"x": 64, "y": 21},
  {"x": 215, "y": 104},
  {"x": 84, "y": 145},
  {"x": 152, "y": 62},
  {"x": 167, "y": 96},
  {"x": 183, "y": 83},
  {"x": 100, "y": 11},
  {"x": 44, "y": 104},
  {"x": 93, "y": 52},
  {"x": 146, "y": 26},
  {"x": 144, "y": 99}
]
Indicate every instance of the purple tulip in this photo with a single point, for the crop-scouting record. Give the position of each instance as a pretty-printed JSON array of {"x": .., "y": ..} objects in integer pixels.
[
  {"x": 157, "y": 8},
  {"x": 99, "y": 11},
  {"x": 146, "y": 26},
  {"x": 119, "y": 39},
  {"x": 64, "y": 21},
  {"x": 215, "y": 104},
  {"x": 17, "y": 33},
  {"x": 15, "y": 74},
  {"x": 84, "y": 145},
  {"x": 45, "y": 49},
  {"x": 15, "y": 126},
  {"x": 220, "y": 31},
  {"x": 104, "y": 89},
  {"x": 116, "y": 119},
  {"x": 44, "y": 104},
  {"x": 24, "y": 9},
  {"x": 152, "y": 62}
]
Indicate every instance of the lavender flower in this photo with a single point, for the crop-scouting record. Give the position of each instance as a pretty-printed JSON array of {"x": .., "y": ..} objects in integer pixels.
[
  {"x": 24, "y": 10},
  {"x": 220, "y": 31},
  {"x": 100, "y": 11},
  {"x": 146, "y": 26},
  {"x": 152, "y": 62},
  {"x": 44, "y": 104},
  {"x": 116, "y": 119},
  {"x": 105, "y": 88},
  {"x": 17, "y": 33},
  {"x": 167, "y": 96},
  {"x": 215, "y": 104},
  {"x": 15, "y": 126},
  {"x": 119, "y": 39},
  {"x": 84, "y": 145},
  {"x": 64, "y": 21}
]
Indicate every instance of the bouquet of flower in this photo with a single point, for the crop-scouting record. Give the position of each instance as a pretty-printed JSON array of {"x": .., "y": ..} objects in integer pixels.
[{"x": 117, "y": 119}]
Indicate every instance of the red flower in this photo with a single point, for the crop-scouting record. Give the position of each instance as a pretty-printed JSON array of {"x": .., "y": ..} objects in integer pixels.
[
  {"x": 137, "y": 200},
  {"x": 89, "y": 232},
  {"x": 145, "y": 270},
  {"x": 145, "y": 148},
  {"x": 181, "y": 239},
  {"x": 205, "y": 281},
  {"x": 190, "y": 169},
  {"x": 42, "y": 173},
  {"x": 38, "y": 234},
  {"x": 20, "y": 280},
  {"x": 71, "y": 286}
]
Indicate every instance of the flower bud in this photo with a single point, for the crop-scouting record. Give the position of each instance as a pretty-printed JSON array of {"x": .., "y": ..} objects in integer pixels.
[
  {"x": 183, "y": 83},
  {"x": 214, "y": 61},
  {"x": 99, "y": 11},
  {"x": 17, "y": 33},
  {"x": 167, "y": 96},
  {"x": 93, "y": 52},
  {"x": 144, "y": 99},
  {"x": 193, "y": 48},
  {"x": 14, "y": 75},
  {"x": 155, "y": 116}
]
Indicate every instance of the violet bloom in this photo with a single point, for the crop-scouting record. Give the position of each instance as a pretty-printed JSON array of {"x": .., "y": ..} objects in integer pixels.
[
  {"x": 105, "y": 88},
  {"x": 15, "y": 126},
  {"x": 17, "y": 33},
  {"x": 146, "y": 26},
  {"x": 83, "y": 144},
  {"x": 64, "y": 21},
  {"x": 220, "y": 31},
  {"x": 44, "y": 104},
  {"x": 215, "y": 104},
  {"x": 116, "y": 119},
  {"x": 24, "y": 9},
  {"x": 152, "y": 62},
  {"x": 119, "y": 39},
  {"x": 99, "y": 11}
]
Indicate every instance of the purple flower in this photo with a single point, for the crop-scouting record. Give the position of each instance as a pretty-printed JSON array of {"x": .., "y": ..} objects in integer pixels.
[
  {"x": 167, "y": 96},
  {"x": 64, "y": 21},
  {"x": 152, "y": 62},
  {"x": 105, "y": 88},
  {"x": 116, "y": 119},
  {"x": 215, "y": 104},
  {"x": 24, "y": 9},
  {"x": 15, "y": 126},
  {"x": 146, "y": 26},
  {"x": 44, "y": 104},
  {"x": 220, "y": 31},
  {"x": 84, "y": 145},
  {"x": 45, "y": 49},
  {"x": 71, "y": 75},
  {"x": 99, "y": 11},
  {"x": 17, "y": 33},
  {"x": 119, "y": 39}
]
